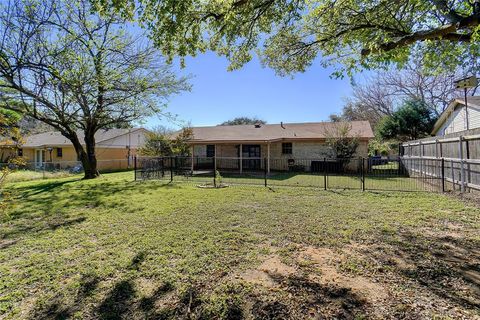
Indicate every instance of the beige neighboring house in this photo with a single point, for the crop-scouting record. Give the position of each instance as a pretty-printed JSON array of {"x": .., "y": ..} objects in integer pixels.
[
  {"x": 280, "y": 144},
  {"x": 115, "y": 149},
  {"x": 458, "y": 118}
]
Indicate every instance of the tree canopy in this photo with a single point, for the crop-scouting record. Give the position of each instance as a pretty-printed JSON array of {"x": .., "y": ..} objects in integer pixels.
[
  {"x": 78, "y": 71},
  {"x": 411, "y": 121},
  {"x": 243, "y": 120},
  {"x": 383, "y": 92},
  {"x": 161, "y": 143},
  {"x": 355, "y": 34}
]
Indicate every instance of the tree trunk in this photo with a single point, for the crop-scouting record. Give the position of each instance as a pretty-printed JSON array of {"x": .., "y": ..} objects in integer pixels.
[
  {"x": 91, "y": 170},
  {"x": 87, "y": 157}
]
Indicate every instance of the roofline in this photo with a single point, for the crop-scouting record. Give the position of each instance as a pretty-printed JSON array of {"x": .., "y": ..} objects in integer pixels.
[
  {"x": 448, "y": 111},
  {"x": 278, "y": 124},
  {"x": 204, "y": 141},
  {"x": 123, "y": 134},
  {"x": 70, "y": 144}
]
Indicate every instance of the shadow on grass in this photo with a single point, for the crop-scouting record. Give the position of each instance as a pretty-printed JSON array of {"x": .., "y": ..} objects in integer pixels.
[
  {"x": 310, "y": 298},
  {"x": 47, "y": 205},
  {"x": 60, "y": 309},
  {"x": 446, "y": 266}
]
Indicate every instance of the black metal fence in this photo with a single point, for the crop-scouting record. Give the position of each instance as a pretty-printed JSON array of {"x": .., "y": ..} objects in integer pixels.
[{"x": 400, "y": 174}]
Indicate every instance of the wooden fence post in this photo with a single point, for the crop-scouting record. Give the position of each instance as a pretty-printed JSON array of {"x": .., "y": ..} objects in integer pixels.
[
  {"x": 443, "y": 175},
  {"x": 462, "y": 164}
]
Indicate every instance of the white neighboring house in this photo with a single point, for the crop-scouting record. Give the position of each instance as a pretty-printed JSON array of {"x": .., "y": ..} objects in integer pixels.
[{"x": 458, "y": 118}]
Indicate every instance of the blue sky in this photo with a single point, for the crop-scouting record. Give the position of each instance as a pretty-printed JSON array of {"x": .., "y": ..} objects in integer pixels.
[{"x": 218, "y": 95}]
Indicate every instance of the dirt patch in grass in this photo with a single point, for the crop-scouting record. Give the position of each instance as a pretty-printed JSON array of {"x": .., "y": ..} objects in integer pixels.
[
  {"x": 270, "y": 268},
  {"x": 326, "y": 260},
  {"x": 114, "y": 249}
]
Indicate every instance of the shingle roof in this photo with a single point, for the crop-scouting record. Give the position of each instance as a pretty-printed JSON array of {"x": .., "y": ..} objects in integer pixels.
[
  {"x": 475, "y": 101},
  {"x": 55, "y": 138},
  {"x": 271, "y": 132}
]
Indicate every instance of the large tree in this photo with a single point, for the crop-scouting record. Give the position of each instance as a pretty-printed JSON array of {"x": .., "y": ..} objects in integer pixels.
[
  {"x": 382, "y": 93},
  {"x": 354, "y": 33},
  {"x": 412, "y": 121},
  {"x": 79, "y": 72}
]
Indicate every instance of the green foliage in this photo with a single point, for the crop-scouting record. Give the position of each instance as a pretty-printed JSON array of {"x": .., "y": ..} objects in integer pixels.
[
  {"x": 411, "y": 121},
  {"x": 383, "y": 148},
  {"x": 10, "y": 141},
  {"x": 162, "y": 144},
  {"x": 243, "y": 120},
  {"x": 67, "y": 66},
  {"x": 342, "y": 141},
  {"x": 218, "y": 178},
  {"x": 352, "y": 34}
]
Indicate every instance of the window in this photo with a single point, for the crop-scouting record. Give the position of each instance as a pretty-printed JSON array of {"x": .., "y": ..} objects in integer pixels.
[
  {"x": 210, "y": 150},
  {"x": 287, "y": 148},
  {"x": 59, "y": 152},
  {"x": 20, "y": 152}
]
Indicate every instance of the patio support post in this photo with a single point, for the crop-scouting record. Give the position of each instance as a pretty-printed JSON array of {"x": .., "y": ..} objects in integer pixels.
[{"x": 241, "y": 160}]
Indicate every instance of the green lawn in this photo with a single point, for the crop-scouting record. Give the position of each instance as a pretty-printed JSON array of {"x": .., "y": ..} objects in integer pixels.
[
  {"x": 27, "y": 175},
  {"x": 112, "y": 248},
  {"x": 372, "y": 182}
]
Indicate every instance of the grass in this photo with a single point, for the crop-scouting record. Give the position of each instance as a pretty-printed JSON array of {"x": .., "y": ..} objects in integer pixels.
[
  {"x": 112, "y": 248},
  {"x": 372, "y": 182},
  {"x": 27, "y": 175}
]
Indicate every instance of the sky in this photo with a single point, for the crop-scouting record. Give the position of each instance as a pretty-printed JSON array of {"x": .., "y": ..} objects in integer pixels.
[{"x": 218, "y": 95}]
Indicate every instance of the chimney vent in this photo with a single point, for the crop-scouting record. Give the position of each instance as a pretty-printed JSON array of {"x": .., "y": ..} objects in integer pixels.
[{"x": 281, "y": 125}]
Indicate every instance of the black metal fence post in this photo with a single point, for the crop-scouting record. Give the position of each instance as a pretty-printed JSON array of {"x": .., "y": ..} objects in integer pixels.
[
  {"x": 214, "y": 171},
  {"x": 171, "y": 169},
  {"x": 325, "y": 169},
  {"x": 265, "y": 171},
  {"x": 443, "y": 175},
  {"x": 362, "y": 170},
  {"x": 135, "y": 167}
]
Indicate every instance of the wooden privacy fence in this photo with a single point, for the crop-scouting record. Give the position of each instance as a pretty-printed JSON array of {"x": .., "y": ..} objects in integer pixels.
[{"x": 460, "y": 159}]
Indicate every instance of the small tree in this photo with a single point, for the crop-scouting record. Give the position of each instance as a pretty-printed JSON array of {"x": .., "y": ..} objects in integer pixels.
[
  {"x": 243, "y": 120},
  {"x": 413, "y": 120},
  {"x": 342, "y": 141},
  {"x": 163, "y": 144}
]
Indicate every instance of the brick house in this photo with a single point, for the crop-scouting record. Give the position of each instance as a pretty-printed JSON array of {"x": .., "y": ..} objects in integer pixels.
[
  {"x": 281, "y": 144},
  {"x": 115, "y": 149}
]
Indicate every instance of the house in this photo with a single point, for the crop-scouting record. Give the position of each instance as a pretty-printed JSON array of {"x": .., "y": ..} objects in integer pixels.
[
  {"x": 115, "y": 149},
  {"x": 280, "y": 146},
  {"x": 457, "y": 117}
]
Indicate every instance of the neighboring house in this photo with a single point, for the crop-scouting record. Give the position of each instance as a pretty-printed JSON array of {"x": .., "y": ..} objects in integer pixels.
[
  {"x": 282, "y": 145},
  {"x": 115, "y": 149},
  {"x": 458, "y": 118}
]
